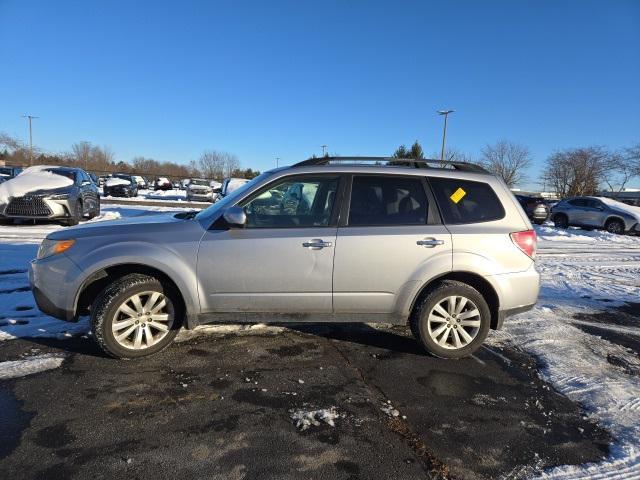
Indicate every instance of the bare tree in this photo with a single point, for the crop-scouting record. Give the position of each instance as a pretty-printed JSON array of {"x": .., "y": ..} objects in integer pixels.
[
  {"x": 81, "y": 153},
  {"x": 576, "y": 172},
  {"x": 508, "y": 160},
  {"x": 217, "y": 165}
]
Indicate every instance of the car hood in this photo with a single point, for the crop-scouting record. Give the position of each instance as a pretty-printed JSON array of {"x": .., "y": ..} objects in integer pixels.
[{"x": 151, "y": 224}]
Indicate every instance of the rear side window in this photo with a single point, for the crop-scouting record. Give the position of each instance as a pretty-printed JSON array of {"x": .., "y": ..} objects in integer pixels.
[
  {"x": 578, "y": 202},
  {"x": 378, "y": 200},
  {"x": 464, "y": 201}
]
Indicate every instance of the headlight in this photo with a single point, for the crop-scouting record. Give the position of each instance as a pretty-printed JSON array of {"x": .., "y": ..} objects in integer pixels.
[
  {"x": 60, "y": 196},
  {"x": 53, "y": 247}
]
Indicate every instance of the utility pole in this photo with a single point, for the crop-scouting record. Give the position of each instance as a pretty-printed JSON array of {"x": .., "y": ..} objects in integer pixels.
[
  {"x": 30, "y": 117},
  {"x": 324, "y": 150},
  {"x": 277, "y": 161},
  {"x": 444, "y": 132}
]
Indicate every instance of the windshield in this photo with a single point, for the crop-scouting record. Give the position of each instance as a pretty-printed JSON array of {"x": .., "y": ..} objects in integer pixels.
[
  {"x": 65, "y": 173},
  {"x": 122, "y": 176},
  {"x": 231, "y": 198},
  {"x": 196, "y": 181}
]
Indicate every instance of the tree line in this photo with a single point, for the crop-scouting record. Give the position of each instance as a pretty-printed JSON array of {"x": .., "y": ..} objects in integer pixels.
[
  {"x": 569, "y": 172},
  {"x": 211, "y": 164}
]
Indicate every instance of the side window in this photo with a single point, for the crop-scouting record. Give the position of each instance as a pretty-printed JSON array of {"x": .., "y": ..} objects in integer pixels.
[
  {"x": 578, "y": 202},
  {"x": 293, "y": 203},
  {"x": 387, "y": 200},
  {"x": 465, "y": 201},
  {"x": 594, "y": 204}
]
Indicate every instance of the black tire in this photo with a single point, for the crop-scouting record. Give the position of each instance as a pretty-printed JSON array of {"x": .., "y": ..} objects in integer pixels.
[
  {"x": 418, "y": 321},
  {"x": 105, "y": 308},
  {"x": 538, "y": 222},
  {"x": 614, "y": 226},
  {"x": 561, "y": 221},
  {"x": 96, "y": 211},
  {"x": 76, "y": 215}
]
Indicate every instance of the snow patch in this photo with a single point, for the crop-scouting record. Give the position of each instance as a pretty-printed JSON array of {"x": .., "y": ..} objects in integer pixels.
[
  {"x": 112, "y": 182},
  {"x": 29, "y": 366},
  {"x": 31, "y": 181},
  {"x": 304, "y": 419}
]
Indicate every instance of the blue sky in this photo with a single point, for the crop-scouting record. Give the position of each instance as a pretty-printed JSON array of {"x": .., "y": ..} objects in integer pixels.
[{"x": 278, "y": 79}]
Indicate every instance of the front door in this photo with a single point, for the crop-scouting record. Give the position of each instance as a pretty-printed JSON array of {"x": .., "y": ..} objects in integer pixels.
[{"x": 282, "y": 261}]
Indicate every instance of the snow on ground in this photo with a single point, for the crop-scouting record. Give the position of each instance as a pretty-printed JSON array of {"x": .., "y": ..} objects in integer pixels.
[
  {"x": 304, "y": 419},
  {"x": 585, "y": 272},
  {"x": 30, "y": 365}
]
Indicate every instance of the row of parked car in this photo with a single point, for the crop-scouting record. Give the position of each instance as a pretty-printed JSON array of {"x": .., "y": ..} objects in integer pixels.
[{"x": 79, "y": 198}]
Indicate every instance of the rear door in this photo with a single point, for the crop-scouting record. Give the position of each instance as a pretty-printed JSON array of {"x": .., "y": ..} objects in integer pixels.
[{"x": 390, "y": 233}]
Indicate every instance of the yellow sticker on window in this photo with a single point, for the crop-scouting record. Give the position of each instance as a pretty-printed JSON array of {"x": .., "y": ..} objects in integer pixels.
[{"x": 457, "y": 195}]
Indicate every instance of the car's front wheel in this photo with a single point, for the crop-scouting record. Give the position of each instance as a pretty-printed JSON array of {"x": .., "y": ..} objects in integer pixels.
[
  {"x": 561, "y": 221},
  {"x": 452, "y": 320},
  {"x": 614, "y": 226},
  {"x": 135, "y": 316}
]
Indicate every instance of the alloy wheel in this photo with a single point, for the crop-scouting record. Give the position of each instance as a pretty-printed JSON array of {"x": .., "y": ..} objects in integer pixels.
[
  {"x": 454, "y": 322},
  {"x": 142, "y": 320}
]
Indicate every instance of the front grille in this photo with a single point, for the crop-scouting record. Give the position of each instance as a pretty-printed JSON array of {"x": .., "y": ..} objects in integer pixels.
[{"x": 27, "y": 207}]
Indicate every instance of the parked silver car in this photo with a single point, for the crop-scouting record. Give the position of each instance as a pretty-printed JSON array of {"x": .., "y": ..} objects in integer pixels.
[
  {"x": 595, "y": 212},
  {"x": 446, "y": 249},
  {"x": 69, "y": 205},
  {"x": 199, "y": 190}
]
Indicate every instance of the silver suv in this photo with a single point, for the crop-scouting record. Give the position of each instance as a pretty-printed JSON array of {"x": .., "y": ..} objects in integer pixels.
[
  {"x": 596, "y": 212},
  {"x": 445, "y": 248}
]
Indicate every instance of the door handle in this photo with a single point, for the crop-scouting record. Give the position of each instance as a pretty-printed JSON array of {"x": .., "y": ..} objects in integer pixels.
[
  {"x": 316, "y": 244},
  {"x": 430, "y": 242}
]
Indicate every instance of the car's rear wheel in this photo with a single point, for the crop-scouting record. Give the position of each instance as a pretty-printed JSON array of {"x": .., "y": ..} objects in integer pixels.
[
  {"x": 136, "y": 316},
  {"x": 452, "y": 320},
  {"x": 561, "y": 221},
  {"x": 614, "y": 226}
]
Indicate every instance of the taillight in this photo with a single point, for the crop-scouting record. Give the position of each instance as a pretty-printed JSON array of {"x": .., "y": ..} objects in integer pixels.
[{"x": 526, "y": 241}]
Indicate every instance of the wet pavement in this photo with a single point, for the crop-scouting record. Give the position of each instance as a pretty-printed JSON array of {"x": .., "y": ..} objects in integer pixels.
[{"x": 221, "y": 406}]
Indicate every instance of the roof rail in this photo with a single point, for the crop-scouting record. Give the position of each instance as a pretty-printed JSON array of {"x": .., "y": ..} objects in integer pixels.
[{"x": 392, "y": 161}]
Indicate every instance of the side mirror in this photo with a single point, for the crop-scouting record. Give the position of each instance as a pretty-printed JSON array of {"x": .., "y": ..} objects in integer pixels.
[
  {"x": 217, "y": 190},
  {"x": 235, "y": 217}
]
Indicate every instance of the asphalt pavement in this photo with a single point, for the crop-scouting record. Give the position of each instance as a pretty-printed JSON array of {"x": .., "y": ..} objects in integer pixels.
[{"x": 224, "y": 407}]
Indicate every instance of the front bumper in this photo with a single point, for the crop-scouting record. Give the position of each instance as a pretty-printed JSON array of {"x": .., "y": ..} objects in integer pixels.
[
  {"x": 52, "y": 281},
  {"x": 37, "y": 208},
  {"x": 200, "y": 197}
]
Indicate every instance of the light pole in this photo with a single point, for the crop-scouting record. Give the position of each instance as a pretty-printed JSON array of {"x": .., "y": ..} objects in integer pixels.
[
  {"x": 324, "y": 150},
  {"x": 277, "y": 161},
  {"x": 30, "y": 117},
  {"x": 444, "y": 132}
]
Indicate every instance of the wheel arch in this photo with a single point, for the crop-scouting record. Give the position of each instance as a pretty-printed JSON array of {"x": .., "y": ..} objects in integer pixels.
[
  {"x": 98, "y": 280},
  {"x": 472, "y": 279}
]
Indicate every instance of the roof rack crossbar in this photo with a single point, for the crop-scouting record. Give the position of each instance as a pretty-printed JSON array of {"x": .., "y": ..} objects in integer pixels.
[{"x": 417, "y": 163}]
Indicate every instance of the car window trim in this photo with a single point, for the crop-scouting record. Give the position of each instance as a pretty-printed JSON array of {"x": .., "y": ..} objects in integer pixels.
[
  {"x": 333, "y": 218},
  {"x": 433, "y": 215}
]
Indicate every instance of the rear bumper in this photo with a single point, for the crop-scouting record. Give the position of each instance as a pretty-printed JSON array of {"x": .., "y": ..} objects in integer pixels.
[{"x": 517, "y": 292}]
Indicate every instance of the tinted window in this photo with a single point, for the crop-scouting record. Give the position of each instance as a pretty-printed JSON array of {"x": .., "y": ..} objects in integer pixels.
[
  {"x": 578, "y": 202},
  {"x": 464, "y": 201},
  {"x": 294, "y": 202},
  {"x": 387, "y": 200},
  {"x": 593, "y": 203}
]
